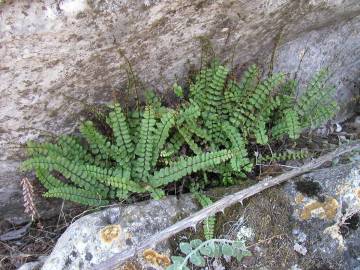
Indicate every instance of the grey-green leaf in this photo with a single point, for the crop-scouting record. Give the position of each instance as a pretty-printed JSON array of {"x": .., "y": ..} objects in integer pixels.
[
  {"x": 239, "y": 257},
  {"x": 177, "y": 259},
  {"x": 216, "y": 251},
  {"x": 195, "y": 243},
  {"x": 205, "y": 250},
  {"x": 185, "y": 247},
  {"x": 227, "y": 250},
  {"x": 197, "y": 260}
]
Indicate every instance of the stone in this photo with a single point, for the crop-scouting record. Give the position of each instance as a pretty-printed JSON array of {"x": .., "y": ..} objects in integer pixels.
[
  {"x": 57, "y": 56},
  {"x": 326, "y": 223},
  {"x": 97, "y": 236}
]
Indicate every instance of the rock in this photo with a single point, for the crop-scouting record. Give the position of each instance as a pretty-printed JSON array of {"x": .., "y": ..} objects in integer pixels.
[
  {"x": 326, "y": 213},
  {"x": 58, "y": 55},
  {"x": 97, "y": 236},
  {"x": 300, "y": 249}
]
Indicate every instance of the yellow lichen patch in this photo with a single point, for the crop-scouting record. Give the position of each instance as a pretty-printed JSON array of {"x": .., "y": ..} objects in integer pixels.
[
  {"x": 110, "y": 233},
  {"x": 299, "y": 198},
  {"x": 155, "y": 258},
  {"x": 323, "y": 210}
]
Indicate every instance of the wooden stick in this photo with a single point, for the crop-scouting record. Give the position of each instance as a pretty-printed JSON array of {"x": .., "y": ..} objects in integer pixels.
[{"x": 220, "y": 205}]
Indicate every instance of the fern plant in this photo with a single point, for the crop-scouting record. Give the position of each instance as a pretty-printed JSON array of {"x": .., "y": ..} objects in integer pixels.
[
  {"x": 232, "y": 115},
  {"x": 215, "y": 130},
  {"x": 105, "y": 168}
]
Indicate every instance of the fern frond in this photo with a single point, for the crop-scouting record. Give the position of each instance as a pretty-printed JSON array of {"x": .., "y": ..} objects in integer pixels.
[
  {"x": 260, "y": 133},
  {"x": 292, "y": 124},
  {"x": 145, "y": 146},
  {"x": 289, "y": 124},
  {"x": 287, "y": 95},
  {"x": 187, "y": 166},
  {"x": 69, "y": 169},
  {"x": 245, "y": 114},
  {"x": 156, "y": 193},
  {"x": 322, "y": 114},
  {"x": 134, "y": 121},
  {"x": 240, "y": 161},
  {"x": 122, "y": 183},
  {"x": 117, "y": 122},
  {"x": 77, "y": 195},
  {"x": 167, "y": 121},
  {"x": 188, "y": 113},
  {"x": 249, "y": 80},
  {"x": 308, "y": 99},
  {"x": 47, "y": 180},
  {"x": 99, "y": 145},
  {"x": 188, "y": 139},
  {"x": 173, "y": 146},
  {"x": 208, "y": 223},
  {"x": 35, "y": 149},
  {"x": 227, "y": 178},
  {"x": 72, "y": 149},
  {"x": 316, "y": 104}
]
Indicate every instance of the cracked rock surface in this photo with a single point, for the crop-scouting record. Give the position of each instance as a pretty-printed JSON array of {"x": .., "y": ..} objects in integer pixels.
[{"x": 58, "y": 55}]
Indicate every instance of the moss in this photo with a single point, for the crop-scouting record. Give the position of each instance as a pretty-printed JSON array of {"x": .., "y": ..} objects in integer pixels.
[{"x": 269, "y": 214}]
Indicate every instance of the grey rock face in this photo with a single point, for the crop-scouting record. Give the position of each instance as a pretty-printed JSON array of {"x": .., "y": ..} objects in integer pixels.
[
  {"x": 95, "y": 237},
  {"x": 327, "y": 217},
  {"x": 57, "y": 55}
]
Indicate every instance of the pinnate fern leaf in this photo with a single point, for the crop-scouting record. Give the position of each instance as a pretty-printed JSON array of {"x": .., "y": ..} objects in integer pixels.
[
  {"x": 118, "y": 123},
  {"x": 77, "y": 195},
  {"x": 167, "y": 121},
  {"x": 209, "y": 223},
  {"x": 145, "y": 146},
  {"x": 187, "y": 166}
]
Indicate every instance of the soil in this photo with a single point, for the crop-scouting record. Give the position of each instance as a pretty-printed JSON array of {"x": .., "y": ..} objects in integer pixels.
[{"x": 38, "y": 241}]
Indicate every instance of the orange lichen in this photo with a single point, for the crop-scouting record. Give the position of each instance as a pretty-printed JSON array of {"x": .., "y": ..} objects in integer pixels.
[
  {"x": 155, "y": 258},
  {"x": 110, "y": 233},
  {"x": 324, "y": 210},
  {"x": 299, "y": 198}
]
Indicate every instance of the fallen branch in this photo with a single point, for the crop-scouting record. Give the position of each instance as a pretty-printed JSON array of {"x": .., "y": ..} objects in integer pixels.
[{"x": 220, "y": 205}]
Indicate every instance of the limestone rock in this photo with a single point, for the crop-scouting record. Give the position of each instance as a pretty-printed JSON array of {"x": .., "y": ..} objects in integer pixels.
[
  {"x": 326, "y": 216},
  {"x": 58, "y": 55},
  {"x": 95, "y": 237}
]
